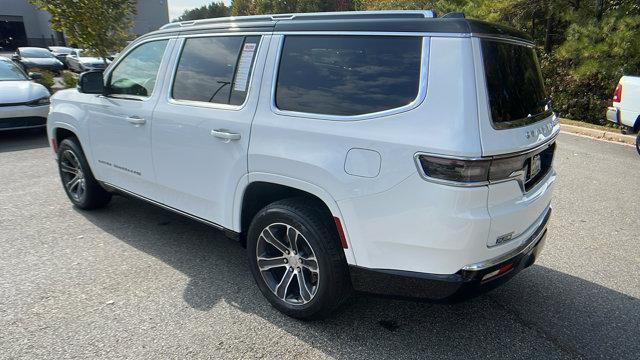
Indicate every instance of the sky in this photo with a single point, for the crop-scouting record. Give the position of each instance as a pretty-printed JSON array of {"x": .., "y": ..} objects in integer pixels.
[{"x": 176, "y": 7}]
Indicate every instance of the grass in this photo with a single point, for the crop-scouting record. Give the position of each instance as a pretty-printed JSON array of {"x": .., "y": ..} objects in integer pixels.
[{"x": 591, "y": 126}]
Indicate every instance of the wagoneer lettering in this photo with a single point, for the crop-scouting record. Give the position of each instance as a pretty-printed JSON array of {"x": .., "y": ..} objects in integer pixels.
[{"x": 390, "y": 152}]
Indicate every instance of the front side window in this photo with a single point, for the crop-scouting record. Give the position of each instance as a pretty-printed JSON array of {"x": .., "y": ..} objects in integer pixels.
[
  {"x": 348, "y": 75},
  {"x": 215, "y": 69},
  {"x": 136, "y": 74}
]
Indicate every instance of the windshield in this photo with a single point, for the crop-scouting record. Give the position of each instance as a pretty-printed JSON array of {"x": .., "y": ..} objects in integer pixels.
[
  {"x": 514, "y": 84},
  {"x": 35, "y": 53},
  {"x": 8, "y": 71}
]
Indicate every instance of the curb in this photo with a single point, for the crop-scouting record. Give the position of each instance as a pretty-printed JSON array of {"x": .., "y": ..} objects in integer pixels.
[{"x": 599, "y": 134}]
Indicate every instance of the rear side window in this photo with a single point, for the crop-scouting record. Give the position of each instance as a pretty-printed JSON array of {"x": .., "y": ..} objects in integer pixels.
[
  {"x": 514, "y": 83},
  {"x": 215, "y": 69},
  {"x": 348, "y": 75}
]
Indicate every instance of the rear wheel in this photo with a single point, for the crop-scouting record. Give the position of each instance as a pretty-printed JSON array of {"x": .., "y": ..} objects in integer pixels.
[
  {"x": 296, "y": 259},
  {"x": 81, "y": 187},
  {"x": 638, "y": 143}
]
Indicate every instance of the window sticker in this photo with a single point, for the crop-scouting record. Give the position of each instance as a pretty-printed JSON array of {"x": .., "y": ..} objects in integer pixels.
[{"x": 244, "y": 67}]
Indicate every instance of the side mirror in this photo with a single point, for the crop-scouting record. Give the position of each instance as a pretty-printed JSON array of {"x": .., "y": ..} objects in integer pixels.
[
  {"x": 15, "y": 57},
  {"x": 91, "y": 82},
  {"x": 35, "y": 75}
]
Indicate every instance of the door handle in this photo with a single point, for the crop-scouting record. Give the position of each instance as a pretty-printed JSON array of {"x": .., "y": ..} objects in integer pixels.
[
  {"x": 136, "y": 120},
  {"x": 225, "y": 135}
]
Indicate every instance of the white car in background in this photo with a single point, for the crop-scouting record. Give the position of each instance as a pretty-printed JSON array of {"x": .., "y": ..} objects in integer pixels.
[
  {"x": 23, "y": 103},
  {"x": 626, "y": 105},
  {"x": 79, "y": 61}
]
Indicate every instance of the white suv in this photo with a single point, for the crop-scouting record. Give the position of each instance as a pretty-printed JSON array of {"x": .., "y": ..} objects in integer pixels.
[{"x": 389, "y": 152}]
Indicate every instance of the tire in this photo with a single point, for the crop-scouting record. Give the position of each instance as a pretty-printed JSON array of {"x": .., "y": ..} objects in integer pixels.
[
  {"x": 317, "y": 246},
  {"x": 638, "y": 143},
  {"x": 78, "y": 181}
]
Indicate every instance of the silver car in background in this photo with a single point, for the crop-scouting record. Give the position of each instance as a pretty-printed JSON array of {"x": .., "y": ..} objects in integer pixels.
[
  {"x": 23, "y": 103},
  {"x": 61, "y": 52},
  {"x": 78, "y": 60}
]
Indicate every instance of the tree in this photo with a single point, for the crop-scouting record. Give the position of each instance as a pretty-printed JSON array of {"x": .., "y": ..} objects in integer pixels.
[
  {"x": 98, "y": 26},
  {"x": 584, "y": 46},
  {"x": 215, "y": 9},
  {"x": 241, "y": 7}
]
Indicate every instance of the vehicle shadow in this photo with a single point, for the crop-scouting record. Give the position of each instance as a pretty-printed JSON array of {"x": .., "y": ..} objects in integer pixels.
[
  {"x": 27, "y": 139},
  {"x": 540, "y": 313}
]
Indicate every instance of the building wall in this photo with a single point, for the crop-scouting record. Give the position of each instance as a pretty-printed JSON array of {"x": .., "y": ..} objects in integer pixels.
[
  {"x": 151, "y": 15},
  {"x": 36, "y": 22}
]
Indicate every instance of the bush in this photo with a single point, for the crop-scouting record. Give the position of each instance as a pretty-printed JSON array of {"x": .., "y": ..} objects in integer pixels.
[
  {"x": 69, "y": 80},
  {"x": 47, "y": 78}
]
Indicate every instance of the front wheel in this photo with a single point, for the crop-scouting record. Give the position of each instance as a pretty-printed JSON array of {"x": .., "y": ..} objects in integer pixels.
[
  {"x": 296, "y": 259},
  {"x": 638, "y": 143},
  {"x": 81, "y": 187}
]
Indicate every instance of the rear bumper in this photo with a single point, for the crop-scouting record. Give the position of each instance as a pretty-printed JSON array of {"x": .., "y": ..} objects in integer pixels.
[
  {"x": 470, "y": 281},
  {"x": 613, "y": 115}
]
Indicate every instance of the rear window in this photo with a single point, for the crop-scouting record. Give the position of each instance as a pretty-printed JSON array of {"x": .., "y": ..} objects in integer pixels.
[
  {"x": 514, "y": 83},
  {"x": 348, "y": 75}
]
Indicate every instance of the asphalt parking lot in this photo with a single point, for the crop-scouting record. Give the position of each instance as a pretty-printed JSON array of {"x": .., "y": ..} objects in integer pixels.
[{"x": 135, "y": 281}]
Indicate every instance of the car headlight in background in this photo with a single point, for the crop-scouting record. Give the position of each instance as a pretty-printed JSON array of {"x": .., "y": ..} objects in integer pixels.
[{"x": 40, "y": 102}]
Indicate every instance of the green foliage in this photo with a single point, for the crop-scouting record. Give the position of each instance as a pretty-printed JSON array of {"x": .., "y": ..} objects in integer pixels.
[
  {"x": 69, "y": 80},
  {"x": 241, "y": 7},
  {"x": 46, "y": 78},
  {"x": 215, "y": 9},
  {"x": 100, "y": 26},
  {"x": 585, "y": 46}
]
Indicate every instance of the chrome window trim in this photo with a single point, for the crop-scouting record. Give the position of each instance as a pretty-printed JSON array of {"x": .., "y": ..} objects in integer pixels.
[
  {"x": 420, "y": 96},
  {"x": 505, "y": 39},
  {"x": 375, "y": 33},
  {"x": 209, "y": 105},
  {"x": 518, "y": 176},
  {"x": 109, "y": 70}
]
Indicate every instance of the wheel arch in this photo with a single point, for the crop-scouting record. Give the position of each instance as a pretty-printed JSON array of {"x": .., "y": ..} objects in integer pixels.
[
  {"x": 636, "y": 125},
  {"x": 262, "y": 189}
]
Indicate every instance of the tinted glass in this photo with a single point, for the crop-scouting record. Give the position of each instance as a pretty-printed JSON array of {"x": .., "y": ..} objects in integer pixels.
[
  {"x": 215, "y": 69},
  {"x": 35, "y": 53},
  {"x": 514, "y": 81},
  {"x": 8, "y": 71},
  {"x": 348, "y": 75},
  {"x": 136, "y": 74}
]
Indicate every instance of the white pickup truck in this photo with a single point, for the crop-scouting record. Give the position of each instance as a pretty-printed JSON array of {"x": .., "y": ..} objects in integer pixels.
[{"x": 626, "y": 105}]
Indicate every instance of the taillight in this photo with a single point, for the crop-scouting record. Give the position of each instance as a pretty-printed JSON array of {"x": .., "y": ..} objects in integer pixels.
[
  {"x": 455, "y": 170},
  {"x": 617, "y": 95},
  {"x": 472, "y": 172}
]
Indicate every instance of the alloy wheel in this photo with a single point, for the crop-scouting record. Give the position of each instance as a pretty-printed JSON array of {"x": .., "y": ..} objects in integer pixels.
[
  {"x": 287, "y": 263},
  {"x": 72, "y": 175}
]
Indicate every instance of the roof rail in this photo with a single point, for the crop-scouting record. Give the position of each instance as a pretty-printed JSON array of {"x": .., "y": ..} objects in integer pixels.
[{"x": 377, "y": 14}]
